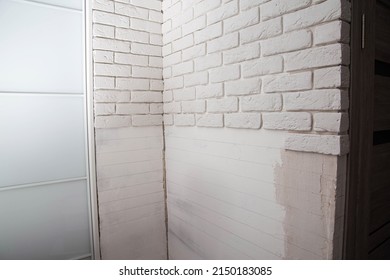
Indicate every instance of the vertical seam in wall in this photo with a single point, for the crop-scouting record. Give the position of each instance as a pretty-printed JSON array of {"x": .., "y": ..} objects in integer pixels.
[
  {"x": 165, "y": 188},
  {"x": 97, "y": 201}
]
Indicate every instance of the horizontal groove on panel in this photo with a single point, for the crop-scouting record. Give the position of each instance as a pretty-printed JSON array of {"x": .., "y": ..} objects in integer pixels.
[
  {"x": 35, "y": 2},
  {"x": 43, "y": 93},
  {"x": 39, "y": 184}
]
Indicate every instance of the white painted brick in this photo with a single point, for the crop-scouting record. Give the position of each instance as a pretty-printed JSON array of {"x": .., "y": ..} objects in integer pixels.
[
  {"x": 331, "y": 77},
  {"x": 213, "y": 90},
  {"x": 197, "y": 78},
  {"x": 324, "y": 144},
  {"x": 144, "y": 49},
  {"x": 111, "y": 96},
  {"x": 146, "y": 120},
  {"x": 243, "y": 120},
  {"x": 167, "y": 73},
  {"x": 326, "y": 11},
  {"x": 112, "y": 121},
  {"x": 225, "y": 11},
  {"x": 166, "y": 26},
  {"x": 172, "y": 11},
  {"x": 208, "y": 33},
  {"x": 168, "y": 119},
  {"x": 332, "y": 32},
  {"x": 156, "y": 39},
  {"x": 242, "y": 20},
  {"x": 146, "y": 96},
  {"x": 277, "y": 8},
  {"x": 156, "y": 61},
  {"x": 243, "y": 87},
  {"x": 173, "y": 83},
  {"x": 156, "y": 16},
  {"x": 103, "y": 83},
  {"x": 247, "y": 4},
  {"x": 110, "y": 19},
  {"x": 260, "y": 31},
  {"x": 103, "y": 5},
  {"x": 287, "y": 82},
  {"x": 103, "y": 56},
  {"x": 173, "y": 107},
  {"x": 183, "y": 43},
  {"x": 102, "y": 109},
  {"x": 287, "y": 121},
  {"x": 182, "y": 18},
  {"x": 157, "y": 85},
  {"x": 144, "y": 25},
  {"x": 103, "y": 31},
  {"x": 172, "y": 35},
  {"x": 194, "y": 52},
  {"x": 331, "y": 122},
  {"x": 132, "y": 84},
  {"x": 208, "y": 61},
  {"x": 241, "y": 53},
  {"x": 287, "y": 42},
  {"x": 131, "y": 109},
  {"x": 223, "y": 43},
  {"x": 156, "y": 108},
  {"x": 172, "y": 59},
  {"x": 150, "y": 4},
  {"x": 114, "y": 70},
  {"x": 317, "y": 57},
  {"x": 198, "y": 106},
  {"x": 194, "y": 25},
  {"x": 184, "y": 119},
  {"x": 189, "y": 4},
  {"x": 130, "y": 10},
  {"x": 224, "y": 105},
  {"x": 167, "y": 96},
  {"x": 209, "y": 120},
  {"x": 319, "y": 100},
  {"x": 261, "y": 102},
  {"x": 110, "y": 45},
  {"x": 131, "y": 35},
  {"x": 205, "y": 6},
  {"x": 166, "y": 50},
  {"x": 131, "y": 59},
  {"x": 184, "y": 94},
  {"x": 146, "y": 72},
  {"x": 262, "y": 66},
  {"x": 225, "y": 73},
  {"x": 183, "y": 68}
]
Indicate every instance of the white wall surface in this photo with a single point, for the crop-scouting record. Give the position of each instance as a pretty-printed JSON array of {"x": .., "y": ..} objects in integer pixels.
[
  {"x": 236, "y": 194},
  {"x": 255, "y": 114},
  {"x": 128, "y": 88},
  {"x": 131, "y": 195}
]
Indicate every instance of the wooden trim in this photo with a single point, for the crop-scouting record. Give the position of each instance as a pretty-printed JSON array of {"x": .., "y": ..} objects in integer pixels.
[{"x": 361, "y": 129}]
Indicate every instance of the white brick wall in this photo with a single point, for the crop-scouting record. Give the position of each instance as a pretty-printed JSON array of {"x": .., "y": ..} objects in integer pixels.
[
  {"x": 236, "y": 70},
  {"x": 127, "y": 43},
  {"x": 238, "y": 82},
  {"x": 241, "y": 48},
  {"x": 127, "y": 48}
]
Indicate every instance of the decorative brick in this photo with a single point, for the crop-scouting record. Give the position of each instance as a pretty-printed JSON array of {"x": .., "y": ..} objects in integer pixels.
[{"x": 243, "y": 120}]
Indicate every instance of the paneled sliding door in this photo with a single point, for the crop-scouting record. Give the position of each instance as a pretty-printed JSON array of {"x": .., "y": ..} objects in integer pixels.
[{"x": 44, "y": 186}]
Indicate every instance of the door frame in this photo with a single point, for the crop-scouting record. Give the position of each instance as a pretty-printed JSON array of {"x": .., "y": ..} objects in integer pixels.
[
  {"x": 357, "y": 207},
  {"x": 92, "y": 178}
]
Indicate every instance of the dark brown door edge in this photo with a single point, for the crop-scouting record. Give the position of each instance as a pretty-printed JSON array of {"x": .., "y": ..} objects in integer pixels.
[{"x": 361, "y": 128}]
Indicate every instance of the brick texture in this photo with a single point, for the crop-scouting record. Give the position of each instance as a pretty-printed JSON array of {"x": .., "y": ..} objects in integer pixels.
[
  {"x": 127, "y": 55},
  {"x": 223, "y": 49}
]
